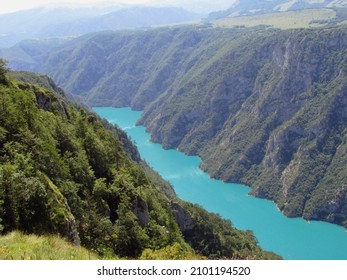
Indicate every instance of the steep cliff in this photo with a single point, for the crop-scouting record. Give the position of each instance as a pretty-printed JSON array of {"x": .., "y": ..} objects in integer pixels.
[{"x": 271, "y": 114}]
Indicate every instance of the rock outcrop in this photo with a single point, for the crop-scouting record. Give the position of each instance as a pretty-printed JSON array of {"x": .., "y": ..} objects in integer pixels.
[{"x": 183, "y": 218}]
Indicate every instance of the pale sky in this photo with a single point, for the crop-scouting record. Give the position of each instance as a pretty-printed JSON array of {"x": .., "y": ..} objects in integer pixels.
[{"x": 8, "y": 6}]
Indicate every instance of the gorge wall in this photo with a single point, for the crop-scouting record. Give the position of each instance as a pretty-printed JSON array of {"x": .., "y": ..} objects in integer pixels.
[{"x": 264, "y": 107}]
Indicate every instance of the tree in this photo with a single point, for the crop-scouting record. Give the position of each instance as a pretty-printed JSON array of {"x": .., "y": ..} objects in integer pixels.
[
  {"x": 3, "y": 71},
  {"x": 2, "y": 213},
  {"x": 130, "y": 238}
]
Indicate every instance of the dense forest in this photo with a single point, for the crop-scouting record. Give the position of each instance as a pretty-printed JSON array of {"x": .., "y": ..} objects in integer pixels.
[
  {"x": 260, "y": 106},
  {"x": 66, "y": 172}
]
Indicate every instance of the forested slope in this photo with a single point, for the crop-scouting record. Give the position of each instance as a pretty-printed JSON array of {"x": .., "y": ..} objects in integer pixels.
[{"x": 65, "y": 171}]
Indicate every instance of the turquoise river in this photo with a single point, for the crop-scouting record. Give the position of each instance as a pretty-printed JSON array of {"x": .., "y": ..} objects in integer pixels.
[{"x": 292, "y": 238}]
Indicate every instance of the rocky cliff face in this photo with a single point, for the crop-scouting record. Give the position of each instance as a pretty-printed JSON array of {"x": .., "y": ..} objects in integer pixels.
[
  {"x": 276, "y": 121},
  {"x": 183, "y": 218},
  {"x": 262, "y": 107},
  {"x": 141, "y": 212},
  {"x": 276, "y": 124}
]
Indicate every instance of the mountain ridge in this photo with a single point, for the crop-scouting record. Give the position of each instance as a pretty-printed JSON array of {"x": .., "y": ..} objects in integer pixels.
[
  {"x": 44, "y": 23},
  {"x": 252, "y": 7}
]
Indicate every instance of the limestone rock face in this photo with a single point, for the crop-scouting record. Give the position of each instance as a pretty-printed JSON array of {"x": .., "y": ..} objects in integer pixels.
[
  {"x": 141, "y": 211},
  {"x": 72, "y": 229},
  {"x": 335, "y": 210},
  {"x": 182, "y": 217}
]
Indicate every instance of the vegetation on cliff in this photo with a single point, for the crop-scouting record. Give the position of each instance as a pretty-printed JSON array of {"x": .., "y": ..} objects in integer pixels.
[{"x": 64, "y": 171}]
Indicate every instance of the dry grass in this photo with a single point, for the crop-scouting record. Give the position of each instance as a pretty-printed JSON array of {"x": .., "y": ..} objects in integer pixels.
[
  {"x": 19, "y": 246},
  {"x": 283, "y": 20}
]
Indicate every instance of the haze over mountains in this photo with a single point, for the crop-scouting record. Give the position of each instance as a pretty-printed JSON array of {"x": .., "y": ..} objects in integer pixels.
[
  {"x": 70, "y": 20},
  {"x": 61, "y": 20},
  {"x": 64, "y": 22}
]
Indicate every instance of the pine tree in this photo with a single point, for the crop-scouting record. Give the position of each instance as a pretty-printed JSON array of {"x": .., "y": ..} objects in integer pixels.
[{"x": 3, "y": 71}]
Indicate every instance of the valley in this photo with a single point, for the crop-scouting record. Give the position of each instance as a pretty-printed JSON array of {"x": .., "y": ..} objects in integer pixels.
[{"x": 260, "y": 106}]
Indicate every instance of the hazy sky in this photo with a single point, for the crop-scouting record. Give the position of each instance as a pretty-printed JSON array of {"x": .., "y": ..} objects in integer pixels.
[
  {"x": 14, "y": 5},
  {"x": 7, "y": 6}
]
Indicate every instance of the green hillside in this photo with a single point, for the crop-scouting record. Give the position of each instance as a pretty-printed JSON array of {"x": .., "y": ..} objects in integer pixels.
[
  {"x": 281, "y": 14},
  {"x": 64, "y": 171},
  {"x": 284, "y": 20}
]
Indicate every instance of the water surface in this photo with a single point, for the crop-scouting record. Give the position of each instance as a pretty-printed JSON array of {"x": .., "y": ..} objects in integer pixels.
[{"x": 292, "y": 238}]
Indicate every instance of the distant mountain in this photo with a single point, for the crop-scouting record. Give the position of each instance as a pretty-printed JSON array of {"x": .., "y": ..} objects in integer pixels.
[
  {"x": 27, "y": 24},
  {"x": 252, "y": 7},
  {"x": 128, "y": 18},
  {"x": 62, "y": 22},
  {"x": 196, "y": 6}
]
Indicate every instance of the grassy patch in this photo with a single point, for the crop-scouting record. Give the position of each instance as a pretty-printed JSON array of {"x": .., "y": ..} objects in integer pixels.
[
  {"x": 19, "y": 246},
  {"x": 283, "y": 20}
]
